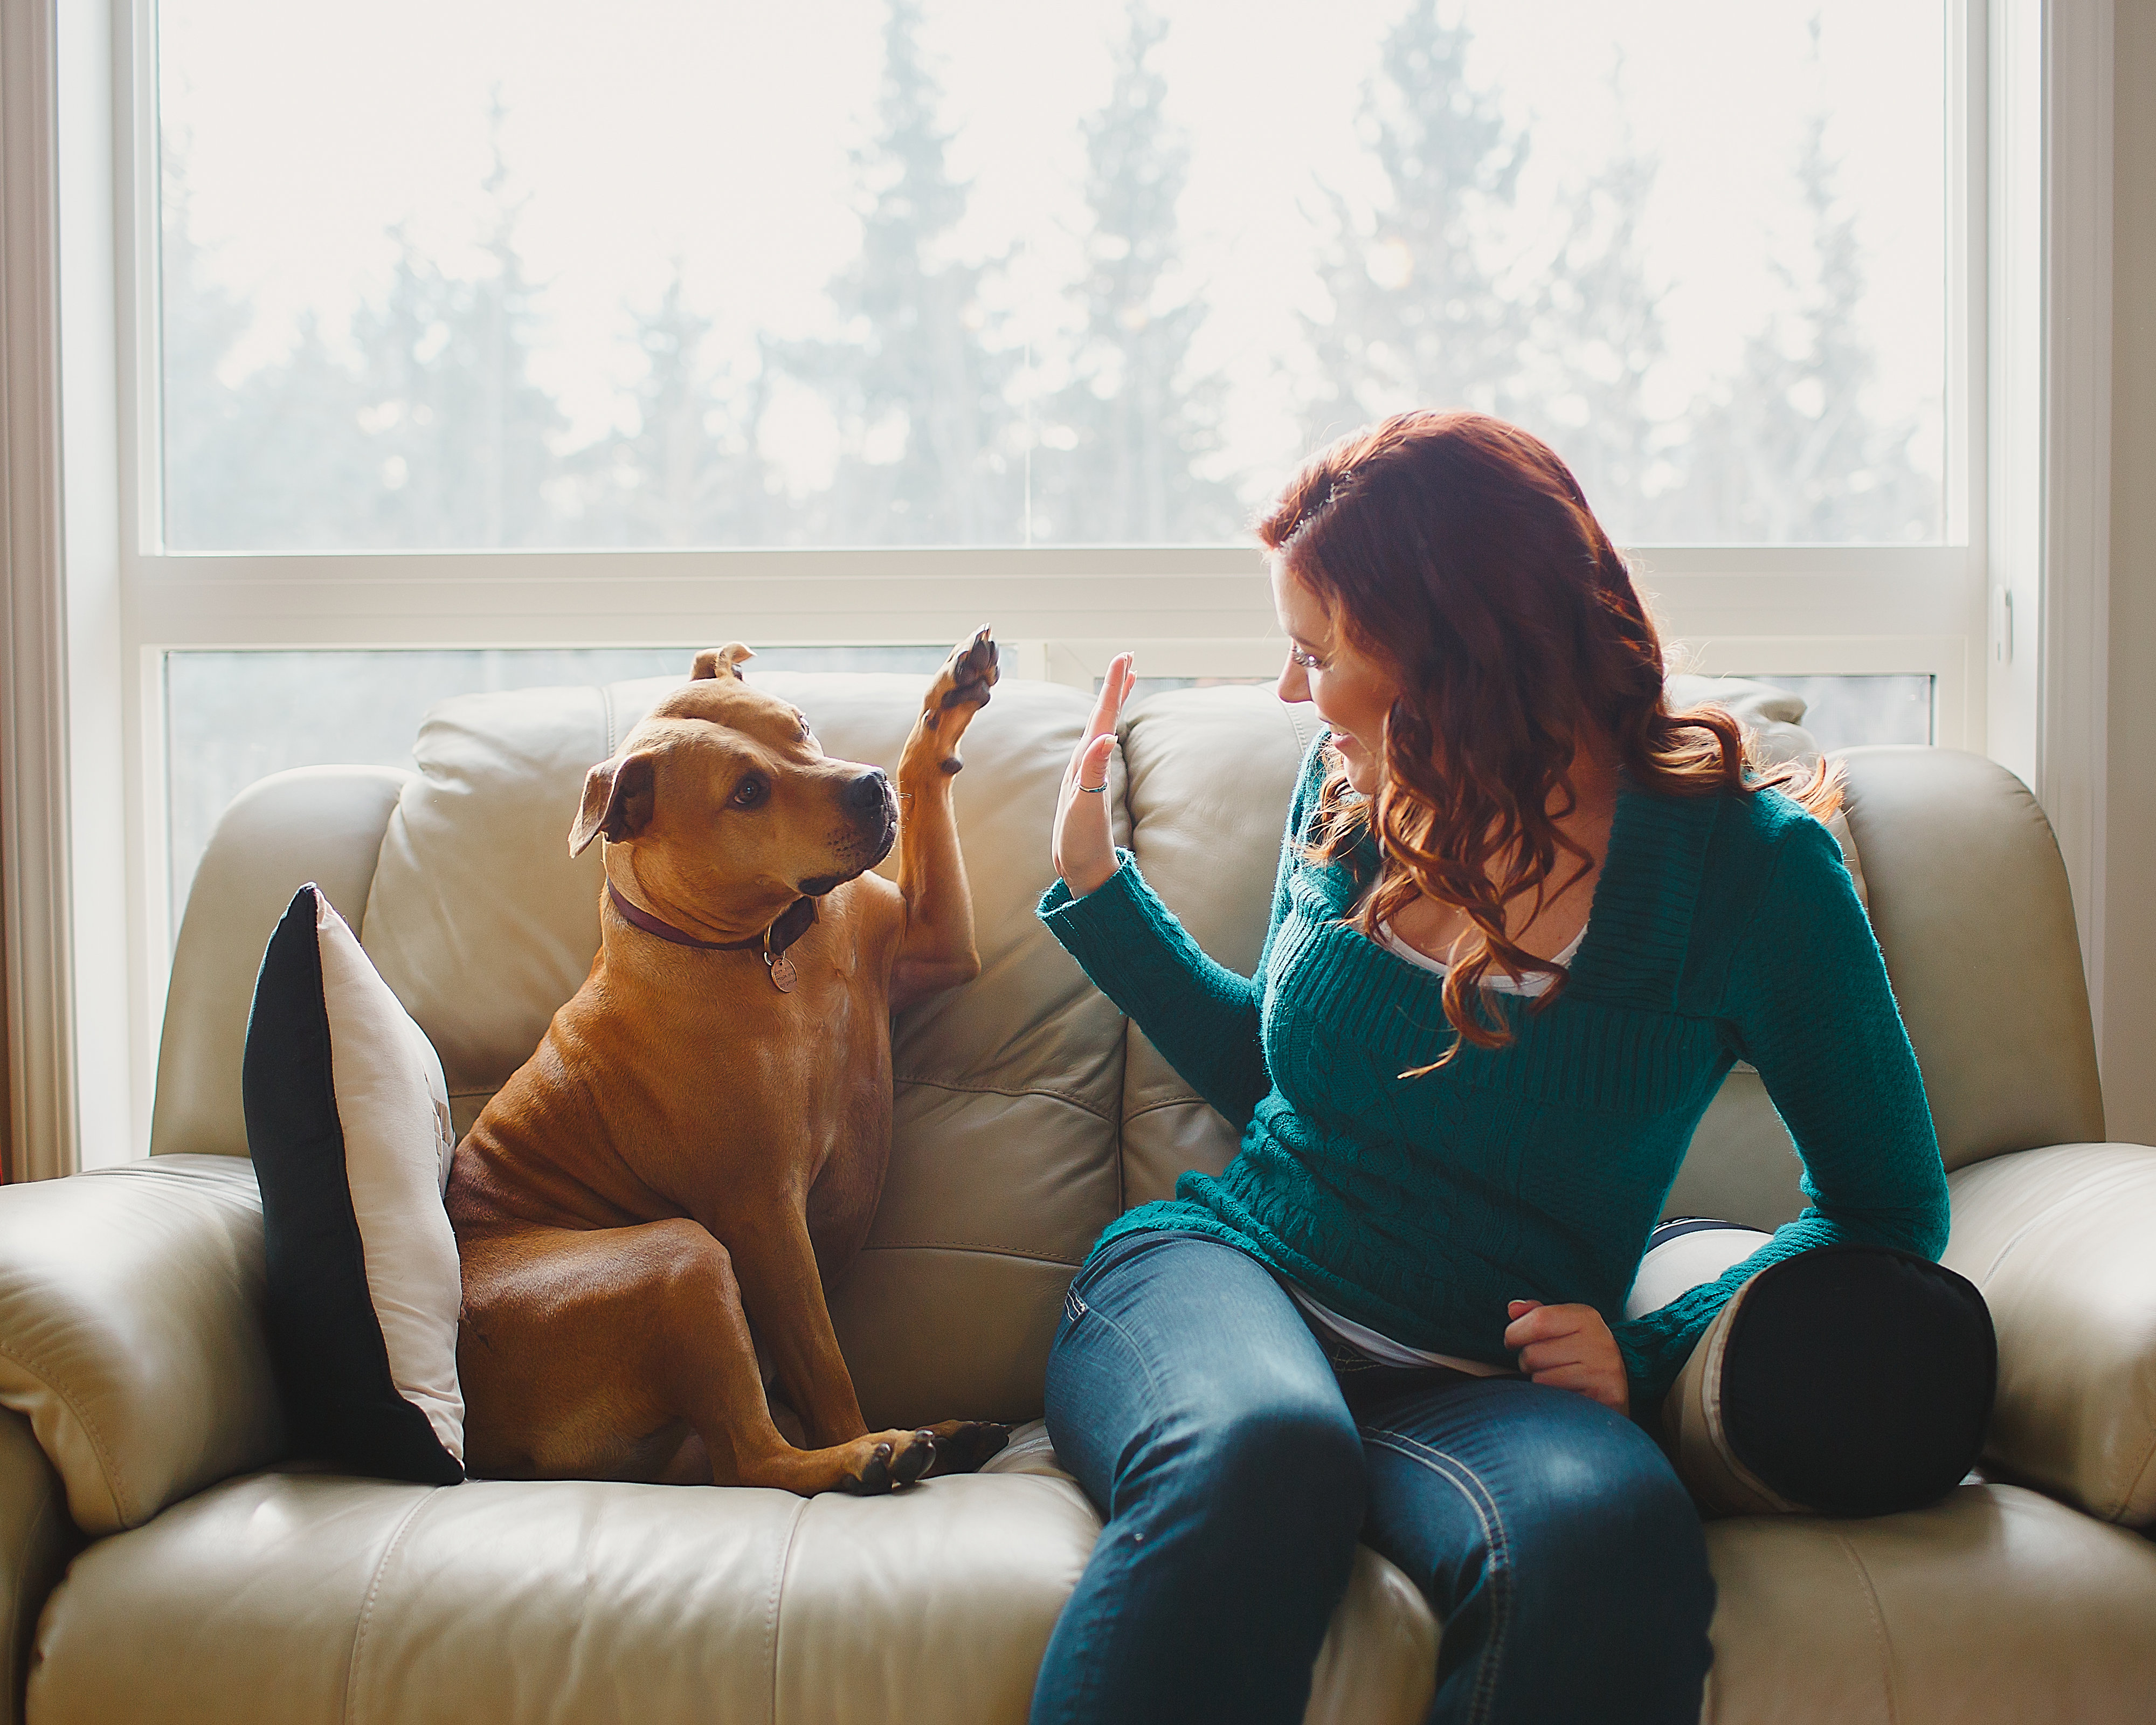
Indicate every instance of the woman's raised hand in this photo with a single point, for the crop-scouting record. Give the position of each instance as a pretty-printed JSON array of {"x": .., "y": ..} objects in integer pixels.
[
  {"x": 1083, "y": 844},
  {"x": 1570, "y": 1348}
]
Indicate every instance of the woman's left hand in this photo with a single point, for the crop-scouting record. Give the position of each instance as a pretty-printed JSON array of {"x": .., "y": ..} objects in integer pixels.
[{"x": 1570, "y": 1348}]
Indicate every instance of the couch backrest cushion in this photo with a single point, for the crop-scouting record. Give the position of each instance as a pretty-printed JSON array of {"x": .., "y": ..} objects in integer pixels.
[
  {"x": 1002, "y": 1165},
  {"x": 319, "y": 824},
  {"x": 1970, "y": 902}
]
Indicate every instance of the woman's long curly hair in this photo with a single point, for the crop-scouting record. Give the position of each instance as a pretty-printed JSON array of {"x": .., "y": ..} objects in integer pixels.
[{"x": 1458, "y": 553}]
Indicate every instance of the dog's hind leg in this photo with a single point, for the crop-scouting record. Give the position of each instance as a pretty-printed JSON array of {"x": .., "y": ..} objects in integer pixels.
[{"x": 579, "y": 1347}]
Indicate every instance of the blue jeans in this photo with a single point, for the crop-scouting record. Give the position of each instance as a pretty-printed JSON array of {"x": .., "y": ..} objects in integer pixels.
[{"x": 1194, "y": 1404}]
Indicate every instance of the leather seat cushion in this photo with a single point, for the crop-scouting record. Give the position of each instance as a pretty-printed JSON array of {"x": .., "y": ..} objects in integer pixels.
[
  {"x": 325, "y": 1600},
  {"x": 310, "y": 1598}
]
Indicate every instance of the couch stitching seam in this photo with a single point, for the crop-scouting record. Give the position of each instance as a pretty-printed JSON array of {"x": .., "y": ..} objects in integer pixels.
[
  {"x": 48, "y": 1509},
  {"x": 107, "y": 1463},
  {"x": 1878, "y": 1623},
  {"x": 960, "y": 1087},
  {"x": 2133, "y": 1483},
  {"x": 367, "y": 1608},
  {"x": 1139, "y": 1113},
  {"x": 778, "y": 1589},
  {"x": 981, "y": 1247}
]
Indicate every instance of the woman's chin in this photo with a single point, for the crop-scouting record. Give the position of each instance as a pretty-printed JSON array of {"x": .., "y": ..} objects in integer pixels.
[{"x": 1362, "y": 771}]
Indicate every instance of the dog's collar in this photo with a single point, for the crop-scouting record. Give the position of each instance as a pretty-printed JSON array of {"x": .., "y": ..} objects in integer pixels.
[{"x": 793, "y": 922}]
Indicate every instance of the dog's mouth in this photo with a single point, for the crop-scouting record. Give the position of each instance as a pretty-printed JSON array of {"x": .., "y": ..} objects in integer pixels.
[
  {"x": 871, "y": 851},
  {"x": 861, "y": 850}
]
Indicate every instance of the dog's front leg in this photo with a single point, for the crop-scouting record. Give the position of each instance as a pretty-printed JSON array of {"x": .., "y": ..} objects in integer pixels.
[
  {"x": 937, "y": 950},
  {"x": 783, "y": 1293}
]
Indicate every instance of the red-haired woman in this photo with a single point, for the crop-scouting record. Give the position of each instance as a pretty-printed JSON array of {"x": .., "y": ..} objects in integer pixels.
[{"x": 1527, "y": 919}]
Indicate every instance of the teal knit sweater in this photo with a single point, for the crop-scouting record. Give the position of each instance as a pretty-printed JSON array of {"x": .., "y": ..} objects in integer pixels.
[{"x": 1724, "y": 927}]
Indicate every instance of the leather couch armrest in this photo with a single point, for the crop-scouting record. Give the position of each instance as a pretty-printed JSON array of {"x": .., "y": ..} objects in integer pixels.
[
  {"x": 2060, "y": 1242},
  {"x": 131, "y": 1332},
  {"x": 36, "y": 1542}
]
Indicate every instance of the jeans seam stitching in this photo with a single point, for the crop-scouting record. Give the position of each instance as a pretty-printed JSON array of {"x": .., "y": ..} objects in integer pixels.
[{"x": 1484, "y": 1503}]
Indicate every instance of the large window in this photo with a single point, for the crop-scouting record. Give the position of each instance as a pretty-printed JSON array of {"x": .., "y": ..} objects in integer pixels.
[
  {"x": 468, "y": 344},
  {"x": 660, "y": 273}
]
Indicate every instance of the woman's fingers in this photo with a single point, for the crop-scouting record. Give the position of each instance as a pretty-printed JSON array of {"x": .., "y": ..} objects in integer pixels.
[
  {"x": 1107, "y": 710},
  {"x": 1570, "y": 1348},
  {"x": 1084, "y": 844},
  {"x": 1115, "y": 689},
  {"x": 1556, "y": 1355},
  {"x": 1093, "y": 767}
]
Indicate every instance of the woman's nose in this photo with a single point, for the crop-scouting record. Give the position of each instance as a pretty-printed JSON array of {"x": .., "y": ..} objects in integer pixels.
[{"x": 1294, "y": 682}]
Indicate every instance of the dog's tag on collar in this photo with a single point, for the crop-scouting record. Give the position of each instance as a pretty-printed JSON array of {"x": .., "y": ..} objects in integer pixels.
[{"x": 783, "y": 976}]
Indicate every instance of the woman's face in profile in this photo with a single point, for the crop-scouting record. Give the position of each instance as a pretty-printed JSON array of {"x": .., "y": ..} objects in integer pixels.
[{"x": 1351, "y": 694}]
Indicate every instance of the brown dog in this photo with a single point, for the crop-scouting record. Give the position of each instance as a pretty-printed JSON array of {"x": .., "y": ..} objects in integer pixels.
[{"x": 698, "y": 1142}]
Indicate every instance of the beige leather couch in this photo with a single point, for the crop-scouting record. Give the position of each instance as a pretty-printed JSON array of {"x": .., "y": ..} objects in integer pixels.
[{"x": 161, "y": 1558}]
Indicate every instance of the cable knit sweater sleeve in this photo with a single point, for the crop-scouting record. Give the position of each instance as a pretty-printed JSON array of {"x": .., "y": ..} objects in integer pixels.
[
  {"x": 1201, "y": 1016},
  {"x": 1808, "y": 1004}
]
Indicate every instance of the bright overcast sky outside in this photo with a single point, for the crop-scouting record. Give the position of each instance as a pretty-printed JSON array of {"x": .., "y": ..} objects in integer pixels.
[{"x": 648, "y": 131}]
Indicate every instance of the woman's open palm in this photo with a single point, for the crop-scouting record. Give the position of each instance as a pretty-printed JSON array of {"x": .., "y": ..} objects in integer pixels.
[{"x": 1083, "y": 844}]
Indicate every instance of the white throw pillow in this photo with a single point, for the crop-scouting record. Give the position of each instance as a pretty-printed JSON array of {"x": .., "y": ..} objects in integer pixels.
[{"x": 348, "y": 1124}]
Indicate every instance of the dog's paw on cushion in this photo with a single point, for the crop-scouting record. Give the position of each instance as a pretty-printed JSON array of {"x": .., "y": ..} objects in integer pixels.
[{"x": 348, "y": 1124}]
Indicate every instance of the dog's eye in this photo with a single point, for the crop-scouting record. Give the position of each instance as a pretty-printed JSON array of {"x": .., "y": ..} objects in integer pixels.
[{"x": 750, "y": 791}]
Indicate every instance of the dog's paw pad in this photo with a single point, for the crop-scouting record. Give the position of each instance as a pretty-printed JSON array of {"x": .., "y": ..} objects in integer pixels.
[{"x": 972, "y": 669}]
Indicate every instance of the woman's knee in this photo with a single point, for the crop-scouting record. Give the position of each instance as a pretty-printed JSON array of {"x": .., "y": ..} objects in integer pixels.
[
  {"x": 1276, "y": 1457},
  {"x": 1599, "y": 1503}
]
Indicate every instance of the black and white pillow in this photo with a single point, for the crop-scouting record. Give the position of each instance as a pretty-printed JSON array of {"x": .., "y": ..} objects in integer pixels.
[{"x": 348, "y": 1124}]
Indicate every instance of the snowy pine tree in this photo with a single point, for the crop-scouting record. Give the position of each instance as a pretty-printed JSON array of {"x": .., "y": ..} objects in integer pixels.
[
  {"x": 1594, "y": 333},
  {"x": 930, "y": 442},
  {"x": 461, "y": 438},
  {"x": 1787, "y": 453},
  {"x": 1122, "y": 445},
  {"x": 688, "y": 474},
  {"x": 206, "y": 482},
  {"x": 1418, "y": 318}
]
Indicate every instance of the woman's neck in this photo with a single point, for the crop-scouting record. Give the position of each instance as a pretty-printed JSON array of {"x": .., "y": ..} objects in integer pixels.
[{"x": 1581, "y": 808}]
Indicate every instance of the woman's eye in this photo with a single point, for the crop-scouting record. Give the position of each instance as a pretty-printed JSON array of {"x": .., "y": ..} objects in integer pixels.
[
  {"x": 1308, "y": 661},
  {"x": 749, "y": 792}
]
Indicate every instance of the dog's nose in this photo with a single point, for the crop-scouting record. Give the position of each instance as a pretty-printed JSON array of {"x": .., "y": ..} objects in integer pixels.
[{"x": 868, "y": 794}]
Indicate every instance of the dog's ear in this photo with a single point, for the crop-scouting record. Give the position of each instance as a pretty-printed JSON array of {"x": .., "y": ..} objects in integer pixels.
[
  {"x": 724, "y": 661},
  {"x": 618, "y": 797}
]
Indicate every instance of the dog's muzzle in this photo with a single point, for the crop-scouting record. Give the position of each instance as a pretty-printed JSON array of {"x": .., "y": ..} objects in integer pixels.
[{"x": 870, "y": 805}]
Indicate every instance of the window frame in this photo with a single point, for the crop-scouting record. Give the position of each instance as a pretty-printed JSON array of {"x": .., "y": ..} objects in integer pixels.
[{"x": 1935, "y": 610}]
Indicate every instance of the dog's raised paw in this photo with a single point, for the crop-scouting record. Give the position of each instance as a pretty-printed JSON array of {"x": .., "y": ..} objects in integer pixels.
[{"x": 972, "y": 669}]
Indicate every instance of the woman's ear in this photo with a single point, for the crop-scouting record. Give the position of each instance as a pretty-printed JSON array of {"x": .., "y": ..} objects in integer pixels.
[{"x": 619, "y": 798}]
